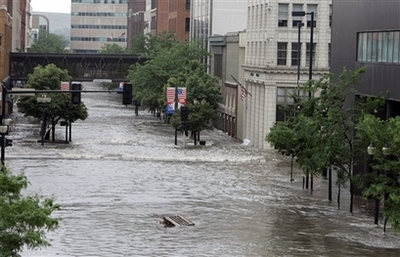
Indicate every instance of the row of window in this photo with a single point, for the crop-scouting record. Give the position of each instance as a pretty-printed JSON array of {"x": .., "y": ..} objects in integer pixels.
[
  {"x": 383, "y": 46},
  {"x": 283, "y": 14},
  {"x": 94, "y": 26},
  {"x": 98, "y": 39},
  {"x": 100, "y": 1},
  {"x": 282, "y": 53},
  {"x": 99, "y": 14}
]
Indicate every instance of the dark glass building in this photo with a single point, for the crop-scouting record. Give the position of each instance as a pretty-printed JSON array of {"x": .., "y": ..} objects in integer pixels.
[{"x": 367, "y": 33}]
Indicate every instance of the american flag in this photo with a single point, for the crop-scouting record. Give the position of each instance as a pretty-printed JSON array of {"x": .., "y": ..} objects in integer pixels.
[
  {"x": 182, "y": 95},
  {"x": 64, "y": 86},
  {"x": 170, "y": 94},
  {"x": 244, "y": 93}
]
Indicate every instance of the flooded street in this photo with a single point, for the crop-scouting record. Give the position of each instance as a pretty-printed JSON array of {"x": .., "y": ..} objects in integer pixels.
[{"x": 121, "y": 173}]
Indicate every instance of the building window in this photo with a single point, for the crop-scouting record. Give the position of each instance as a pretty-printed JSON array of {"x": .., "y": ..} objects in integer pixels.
[
  {"x": 312, "y": 8},
  {"x": 283, "y": 15},
  {"x": 282, "y": 50},
  {"x": 188, "y": 4},
  {"x": 153, "y": 24},
  {"x": 383, "y": 46},
  {"x": 297, "y": 19},
  {"x": 330, "y": 15},
  {"x": 308, "y": 54},
  {"x": 295, "y": 54},
  {"x": 284, "y": 98},
  {"x": 218, "y": 65},
  {"x": 187, "y": 24},
  {"x": 329, "y": 54}
]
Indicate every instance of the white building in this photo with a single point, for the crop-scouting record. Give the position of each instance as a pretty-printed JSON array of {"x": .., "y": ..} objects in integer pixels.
[
  {"x": 95, "y": 23},
  {"x": 271, "y": 62}
]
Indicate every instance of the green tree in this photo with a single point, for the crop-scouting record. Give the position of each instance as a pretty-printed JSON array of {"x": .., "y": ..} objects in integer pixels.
[
  {"x": 24, "y": 220},
  {"x": 169, "y": 59},
  {"x": 60, "y": 107},
  {"x": 147, "y": 45},
  {"x": 49, "y": 43},
  {"x": 112, "y": 49},
  {"x": 203, "y": 96},
  {"x": 384, "y": 182},
  {"x": 324, "y": 128}
]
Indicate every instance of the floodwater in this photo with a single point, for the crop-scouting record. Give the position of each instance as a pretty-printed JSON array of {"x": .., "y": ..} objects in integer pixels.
[{"x": 122, "y": 173}]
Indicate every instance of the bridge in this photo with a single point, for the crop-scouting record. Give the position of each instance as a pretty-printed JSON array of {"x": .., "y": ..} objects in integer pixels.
[{"x": 80, "y": 66}]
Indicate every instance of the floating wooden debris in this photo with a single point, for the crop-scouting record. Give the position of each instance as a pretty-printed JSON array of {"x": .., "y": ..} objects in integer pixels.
[{"x": 177, "y": 220}]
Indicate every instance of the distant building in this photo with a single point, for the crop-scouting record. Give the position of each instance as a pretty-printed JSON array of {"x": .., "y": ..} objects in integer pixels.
[
  {"x": 56, "y": 23},
  {"x": 40, "y": 23},
  {"x": 217, "y": 17},
  {"x": 95, "y": 23},
  {"x": 158, "y": 16},
  {"x": 137, "y": 20}
]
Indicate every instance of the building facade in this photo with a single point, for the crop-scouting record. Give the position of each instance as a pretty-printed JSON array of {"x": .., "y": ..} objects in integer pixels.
[
  {"x": 371, "y": 41},
  {"x": 95, "y": 23},
  {"x": 227, "y": 55},
  {"x": 274, "y": 68},
  {"x": 136, "y": 19},
  {"x": 216, "y": 17},
  {"x": 158, "y": 16}
]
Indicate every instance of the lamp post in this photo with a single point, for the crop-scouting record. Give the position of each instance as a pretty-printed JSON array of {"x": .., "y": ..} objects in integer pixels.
[
  {"x": 302, "y": 14},
  {"x": 370, "y": 151},
  {"x": 386, "y": 153},
  {"x": 43, "y": 101},
  {"x": 299, "y": 25}
]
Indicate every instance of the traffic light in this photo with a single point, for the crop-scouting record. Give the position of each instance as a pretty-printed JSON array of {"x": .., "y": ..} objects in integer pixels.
[
  {"x": 184, "y": 113},
  {"x": 76, "y": 96},
  {"x": 127, "y": 94}
]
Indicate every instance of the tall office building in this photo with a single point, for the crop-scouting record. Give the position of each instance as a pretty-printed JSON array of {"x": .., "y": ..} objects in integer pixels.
[
  {"x": 274, "y": 67},
  {"x": 95, "y": 23}
]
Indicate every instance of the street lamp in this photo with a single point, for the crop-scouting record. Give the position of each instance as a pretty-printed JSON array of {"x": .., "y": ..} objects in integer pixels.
[
  {"x": 370, "y": 151},
  {"x": 386, "y": 153},
  {"x": 299, "y": 25},
  {"x": 301, "y": 14},
  {"x": 43, "y": 101}
]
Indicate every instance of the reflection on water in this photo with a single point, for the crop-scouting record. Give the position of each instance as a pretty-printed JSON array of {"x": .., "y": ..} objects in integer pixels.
[{"x": 122, "y": 173}]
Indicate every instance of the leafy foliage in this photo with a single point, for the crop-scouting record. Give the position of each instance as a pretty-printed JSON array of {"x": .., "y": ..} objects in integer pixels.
[
  {"x": 384, "y": 182},
  {"x": 112, "y": 49},
  {"x": 49, "y": 43},
  {"x": 175, "y": 64},
  {"x": 60, "y": 107},
  {"x": 24, "y": 220},
  {"x": 321, "y": 133}
]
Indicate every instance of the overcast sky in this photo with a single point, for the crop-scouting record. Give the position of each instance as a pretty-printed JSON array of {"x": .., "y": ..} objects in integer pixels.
[{"x": 58, "y": 6}]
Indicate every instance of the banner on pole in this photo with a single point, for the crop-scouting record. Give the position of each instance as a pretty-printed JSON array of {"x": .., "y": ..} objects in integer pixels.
[{"x": 171, "y": 95}]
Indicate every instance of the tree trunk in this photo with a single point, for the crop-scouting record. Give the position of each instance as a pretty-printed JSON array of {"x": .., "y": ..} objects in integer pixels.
[
  {"x": 53, "y": 131},
  {"x": 351, "y": 196},
  {"x": 338, "y": 197}
]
